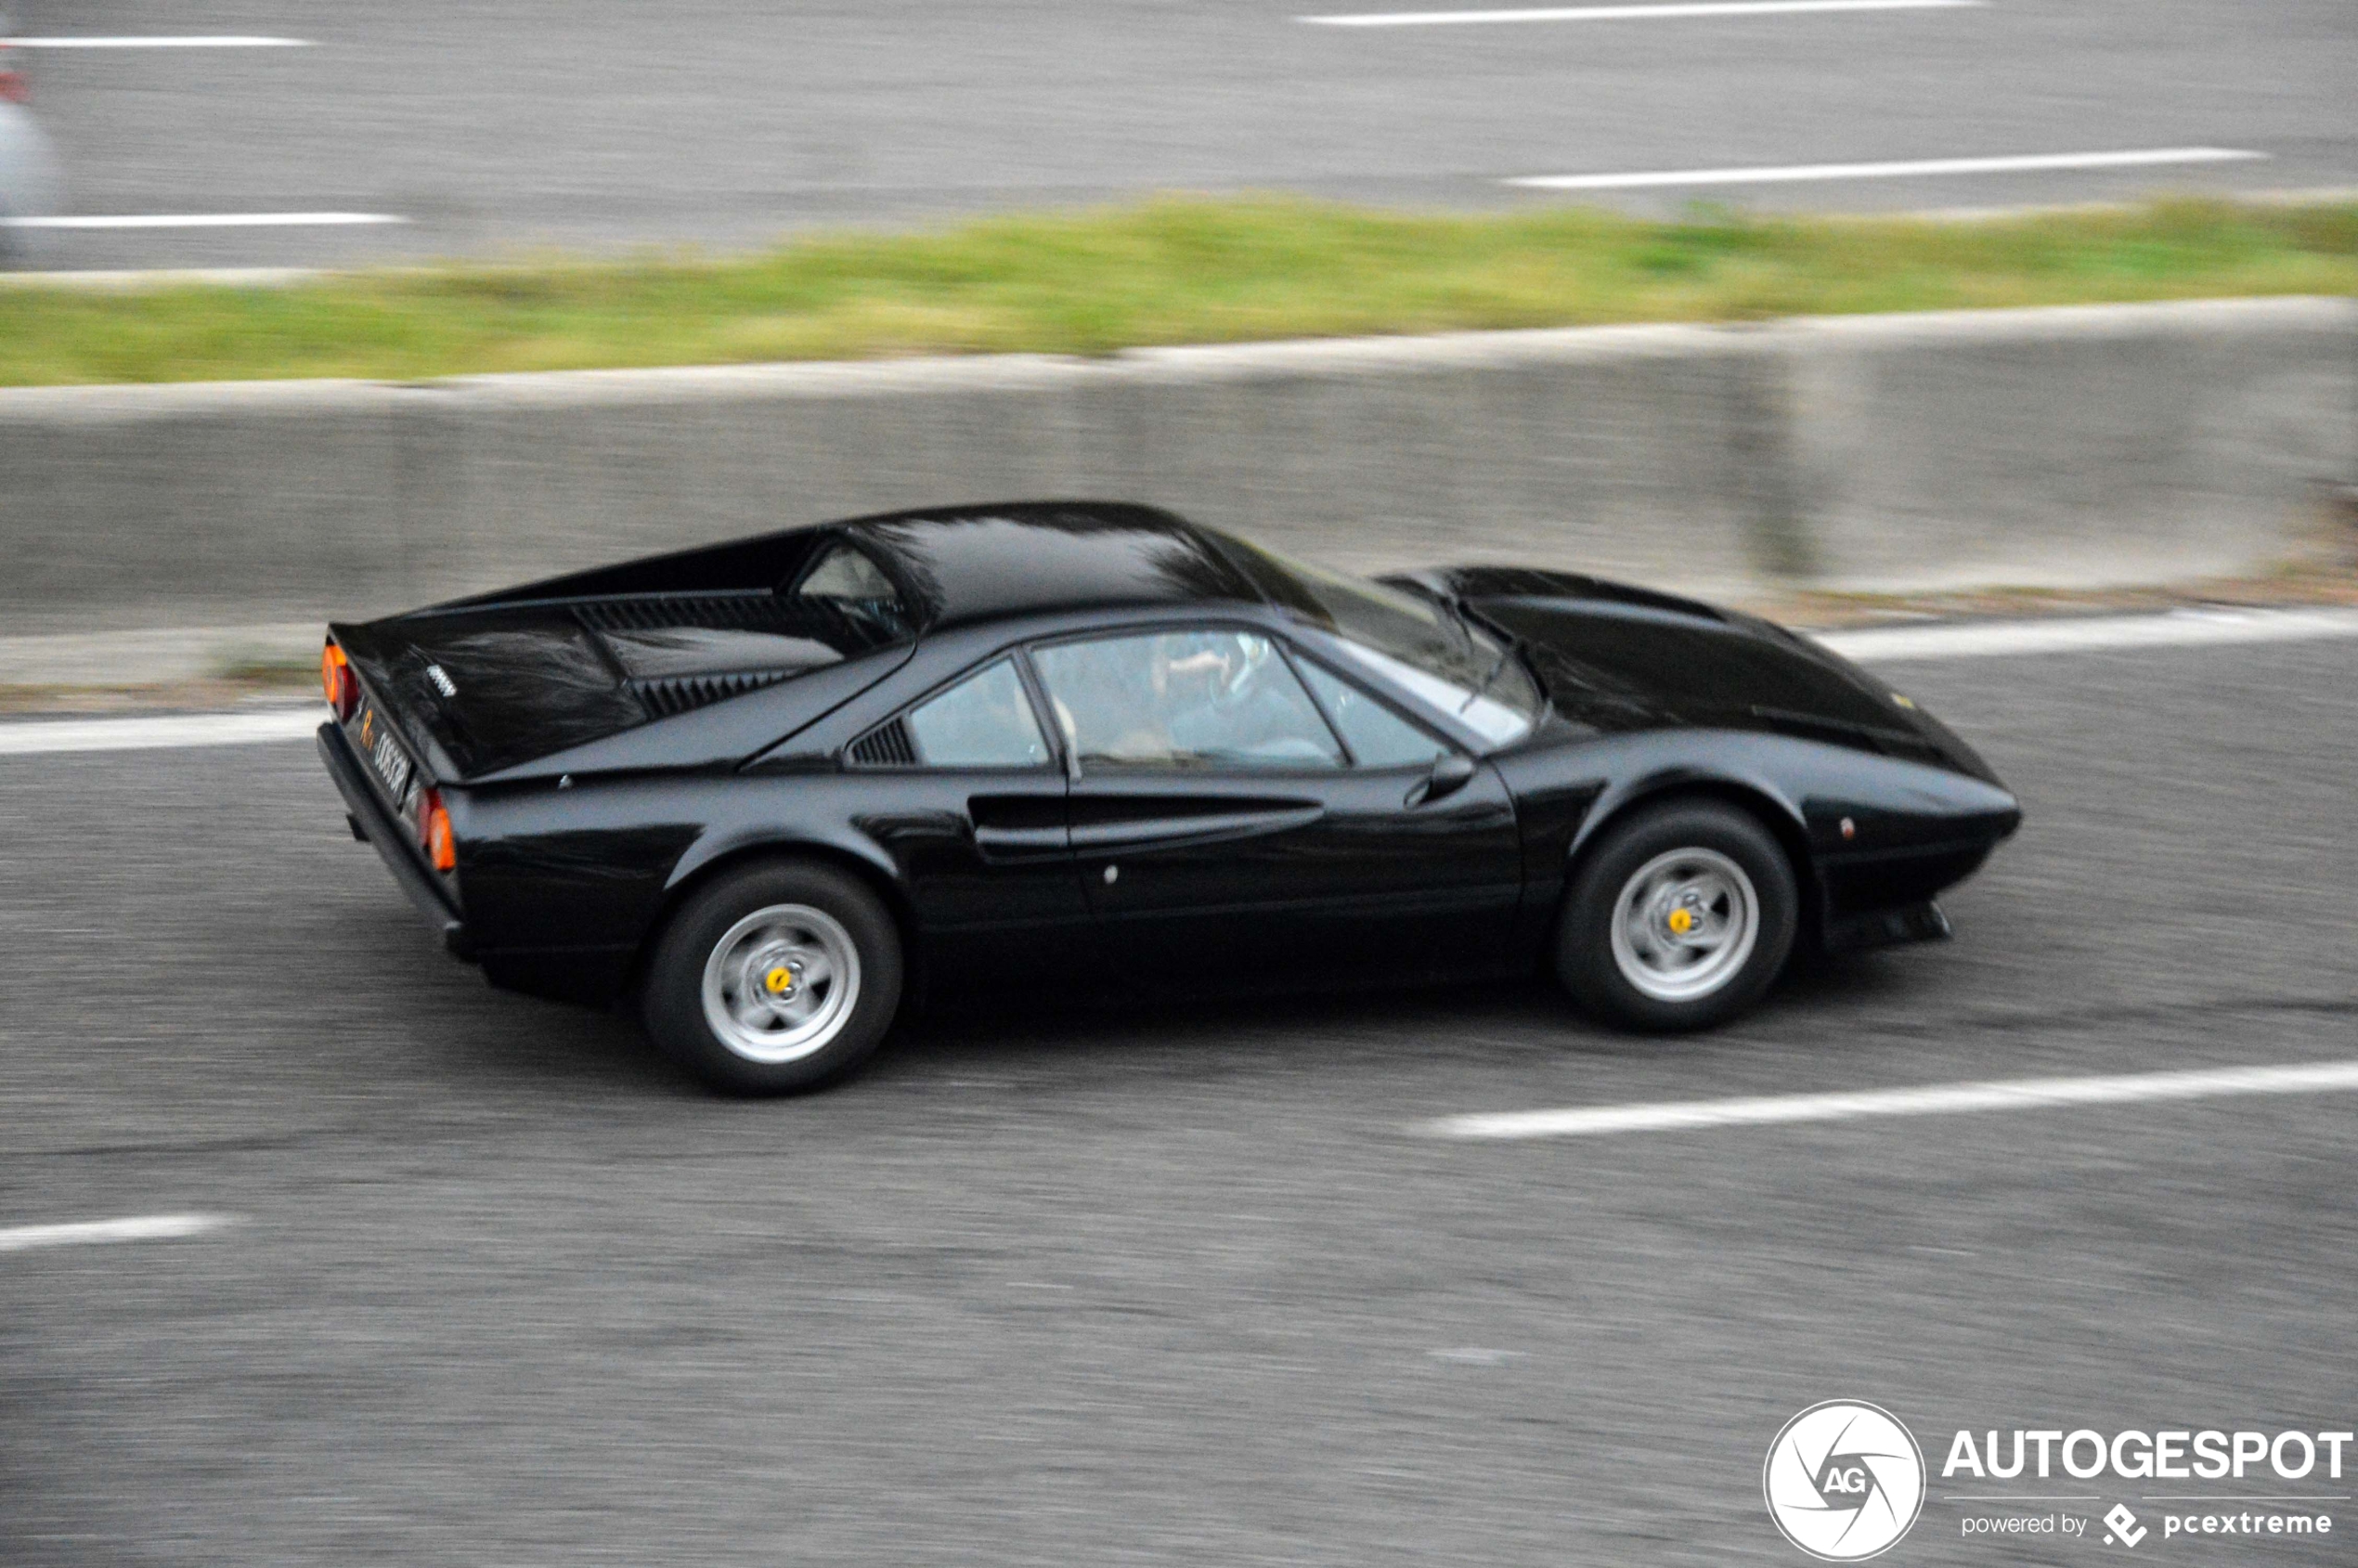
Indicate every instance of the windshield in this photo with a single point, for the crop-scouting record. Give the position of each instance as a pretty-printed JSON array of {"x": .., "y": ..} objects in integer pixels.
[{"x": 1457, "y": 667}]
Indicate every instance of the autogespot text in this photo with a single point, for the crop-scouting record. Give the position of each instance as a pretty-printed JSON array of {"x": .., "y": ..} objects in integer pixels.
[{"x": 2159, "y": 1456}]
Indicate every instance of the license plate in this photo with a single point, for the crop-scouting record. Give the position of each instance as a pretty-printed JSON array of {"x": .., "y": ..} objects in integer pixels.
[{"x": 391, "y": 764}]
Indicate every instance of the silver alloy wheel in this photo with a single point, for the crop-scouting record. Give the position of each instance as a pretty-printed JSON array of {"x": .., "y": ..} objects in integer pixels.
[
  {"x": 1685, "y": 924},
  {"x": 781, "y": 984}
]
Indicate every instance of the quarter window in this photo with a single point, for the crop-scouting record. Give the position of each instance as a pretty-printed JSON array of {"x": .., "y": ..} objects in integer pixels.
[
  {"x": 983, "y": 722},
  {"x": 1378, "y": 737},
  {"x": 1184, "y": 699},
  {"x": 846, "y": 573},
  {"x": 846, "y": 579}
]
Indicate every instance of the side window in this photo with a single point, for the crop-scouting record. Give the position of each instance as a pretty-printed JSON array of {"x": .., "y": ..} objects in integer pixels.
[
  {"x": 1378, "y": 737},
  {"x": 1184, "y": 699},
  {"x": 983, "y": 722}
]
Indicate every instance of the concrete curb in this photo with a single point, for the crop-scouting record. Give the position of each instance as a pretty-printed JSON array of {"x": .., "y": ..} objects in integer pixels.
[{"x": 2051, "y": 447}]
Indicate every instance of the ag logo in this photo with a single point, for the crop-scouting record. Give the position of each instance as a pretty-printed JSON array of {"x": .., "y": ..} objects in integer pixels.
[{"x": 1844, "y": 1481}]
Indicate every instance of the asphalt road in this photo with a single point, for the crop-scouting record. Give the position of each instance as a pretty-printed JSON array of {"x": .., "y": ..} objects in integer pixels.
[
  {"x": 722, "y": 123},
  {"x": 1175, "y": 1285}
]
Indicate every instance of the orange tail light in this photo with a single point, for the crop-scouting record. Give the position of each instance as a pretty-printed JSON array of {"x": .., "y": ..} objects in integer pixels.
[
  {"x": 336, "y": 680},
  {"x": 433, "y": 832}
]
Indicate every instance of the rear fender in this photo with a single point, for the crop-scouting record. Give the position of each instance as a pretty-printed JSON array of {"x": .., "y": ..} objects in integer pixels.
[
  {"x": 717, "y": 853},
  {"x": 736, "y": 843}
]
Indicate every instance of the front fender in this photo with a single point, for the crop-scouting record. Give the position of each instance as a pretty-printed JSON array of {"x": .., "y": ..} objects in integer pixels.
[{"x": 1756, "y": 786}]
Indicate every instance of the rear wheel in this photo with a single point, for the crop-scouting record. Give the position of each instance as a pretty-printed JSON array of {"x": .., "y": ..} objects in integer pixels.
[
  {"x": 1679, "y": 920},
  {"x": 774, "y": 977}
]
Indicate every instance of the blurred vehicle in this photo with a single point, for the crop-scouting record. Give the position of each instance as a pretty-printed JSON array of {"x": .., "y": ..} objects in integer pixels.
[
  {"x": 29, "y": 184},
  {"x": 764, "y": 788}
]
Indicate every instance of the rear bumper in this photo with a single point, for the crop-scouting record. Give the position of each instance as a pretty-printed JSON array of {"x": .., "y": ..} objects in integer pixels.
[{"x": 401, "y": 857}]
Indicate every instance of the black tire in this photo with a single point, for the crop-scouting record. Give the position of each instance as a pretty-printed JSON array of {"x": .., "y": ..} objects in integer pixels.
[
  {"x": 1656, "y": 846},
  {"x": 816, "y": 916}
]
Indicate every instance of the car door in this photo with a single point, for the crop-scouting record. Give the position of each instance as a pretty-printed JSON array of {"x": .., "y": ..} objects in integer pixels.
[
  {"x": 1226, "y": 833},
  {"x": 967, "y": 795}
]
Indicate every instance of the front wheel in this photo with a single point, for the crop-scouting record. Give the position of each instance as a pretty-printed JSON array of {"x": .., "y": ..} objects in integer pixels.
[
  {"x": 774, "y": 978},
  {"x": 1680, "y": 919}
]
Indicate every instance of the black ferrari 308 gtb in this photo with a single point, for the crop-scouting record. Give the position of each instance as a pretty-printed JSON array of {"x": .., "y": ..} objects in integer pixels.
[{"x": 769, "y": 790}]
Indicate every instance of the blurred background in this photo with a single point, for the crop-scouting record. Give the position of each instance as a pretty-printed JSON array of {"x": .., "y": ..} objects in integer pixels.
[
  {"x": 1899, "y": 318},
  {"x": 601, "y": 124}
]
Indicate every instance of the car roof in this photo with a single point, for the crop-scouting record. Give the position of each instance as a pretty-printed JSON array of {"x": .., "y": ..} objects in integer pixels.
[{"x": 972, "y": 563}]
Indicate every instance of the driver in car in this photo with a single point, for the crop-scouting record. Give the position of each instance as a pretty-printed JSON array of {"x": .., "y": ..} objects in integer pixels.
[{"x": 1219, "y": 705}]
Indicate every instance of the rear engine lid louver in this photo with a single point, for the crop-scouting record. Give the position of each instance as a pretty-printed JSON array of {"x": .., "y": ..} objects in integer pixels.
[
  {"x": 680, "y": 651},
  {"x": 678, "y": 693},
  {"x": 751, "y": 611}
]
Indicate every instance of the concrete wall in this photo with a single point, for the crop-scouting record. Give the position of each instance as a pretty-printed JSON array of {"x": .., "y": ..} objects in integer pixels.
[{"x": 2063, "y": 446}]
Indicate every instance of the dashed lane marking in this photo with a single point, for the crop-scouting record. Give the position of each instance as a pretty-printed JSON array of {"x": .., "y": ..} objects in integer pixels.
[
  {"x": 1906, "y": 169},
  {"x": 2177, "y": 628},
  {"x": 163, "y": 41},
  {"x": 36, "y": 738},
  {"x": 1947, "y": 1099},
  {"x": 204, "y": 220},
  {"x": 138, "y": 1227},
  {"x": 1686, "y": 9}
]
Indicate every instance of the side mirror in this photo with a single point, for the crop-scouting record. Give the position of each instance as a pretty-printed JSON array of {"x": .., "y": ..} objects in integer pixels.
[{"x": 1449, "y": 775}]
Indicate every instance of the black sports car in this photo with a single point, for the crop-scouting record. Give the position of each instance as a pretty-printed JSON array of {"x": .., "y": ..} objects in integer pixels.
[{"x": 771, "y": 789}]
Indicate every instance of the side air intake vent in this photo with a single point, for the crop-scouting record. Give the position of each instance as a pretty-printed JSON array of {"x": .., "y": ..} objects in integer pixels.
[
  {"x": 678, "y": 693},
  {"x": 886, "y": 745}
]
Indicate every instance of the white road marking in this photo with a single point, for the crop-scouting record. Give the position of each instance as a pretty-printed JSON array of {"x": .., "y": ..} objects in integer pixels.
[
  {"x": 144, "y": 1228},
  {"x": 163, "y": 41},
  {"x": 1632, "y": 13},
  {"x": 204, "y": 220},
  {"x": 2016, "y": 1093},
  {"x": 1875, "y": 645},
  {"x": 1913, "y": 168},
  {"x": 2178, "y": 628},
  {"x": 37, "y": 737}
]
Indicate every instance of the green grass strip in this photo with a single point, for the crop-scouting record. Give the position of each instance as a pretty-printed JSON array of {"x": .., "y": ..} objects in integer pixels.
[{"x": 1172, "y": 270}]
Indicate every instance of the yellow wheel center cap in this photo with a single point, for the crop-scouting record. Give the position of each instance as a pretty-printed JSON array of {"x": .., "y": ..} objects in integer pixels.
[
  {"x": 1681, "y": 921},
  {"x": 778, "y": 980}
]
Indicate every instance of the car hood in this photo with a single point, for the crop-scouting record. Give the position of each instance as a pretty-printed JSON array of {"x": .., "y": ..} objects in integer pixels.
[{"x": 1617, "y": 657}]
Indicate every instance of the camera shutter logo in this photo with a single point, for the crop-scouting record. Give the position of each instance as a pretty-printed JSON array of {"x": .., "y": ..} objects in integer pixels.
[{"x": 1844, "y": 1481}]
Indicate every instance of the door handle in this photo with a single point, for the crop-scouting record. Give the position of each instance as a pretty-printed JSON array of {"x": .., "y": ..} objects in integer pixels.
[
  {"x": 1013, "y": 825},
  {"x": 1019, "y": 843}
]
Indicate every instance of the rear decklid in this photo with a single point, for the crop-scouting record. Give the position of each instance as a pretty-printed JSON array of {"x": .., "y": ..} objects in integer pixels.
[{"x": 493, "y": 686}]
